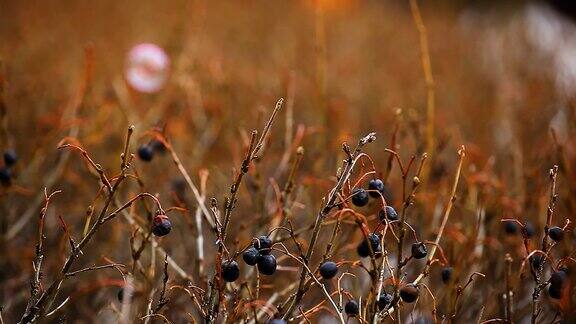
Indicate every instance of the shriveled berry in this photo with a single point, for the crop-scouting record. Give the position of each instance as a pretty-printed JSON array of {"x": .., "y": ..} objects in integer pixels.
[
  {"x": 10, "y": 157},
  {"x": 556, "y": 233},
  {"x": 161, "y": 225},
  {"x": 328, "y": 270},
  {"x": 267, "y": 264},
  {"x": 230, "y": 271},
  {"x": 363, "y": 248},
  {"x": 5, "y": 176},
  {"x": 263, "y": 244},
  {"x": 351, "y": 308},
  {"x": 419, "y": 250},
  {"x": 384, "y": 300},
  {"x": 251, "y": 256},
  {"x": 409, "y": 293},
  {"x": 360, "y": 197},
  {"x": 276, "y": 321},
  {"x": 387, "y": 212},
  {"x": 376, "y": 186},
  {"x": 446, "y": 274},
  {"x": 510, "y": 228},
  {"x": 146, "y": 153}
]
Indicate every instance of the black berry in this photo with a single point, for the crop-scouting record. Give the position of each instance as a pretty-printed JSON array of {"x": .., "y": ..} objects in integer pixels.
[
  {"x": 161, "y": 225},
  {"x": 10, "y": 158},
  {"x": 387, "y": 212},
  {"x": 376, "y": 186},
  {"x": 351, "y": 308},
  {"x": 360, "y": 197},
  {"x": 5, "y": 176},
  {"x": 328, "y": 270},
  {"x": 263, "y": 244},
  {"x": 556, "y": 233},
  {"x": 230, "y": 271},
  {"x": 251, "y": 256},
  {"x": 120, "y": 294},
  {"x": 384, "y": 300},
  {"x": 510, "y": 228},
  {"x": 419, "y": 250},
  {"x": 555, "y": 292},
  {"x": 446, "y": 274},
  {"x": 267, "y": 264},
  {"x": 409, "y": 293},
  {"x": 363, "y": 248},
  {"x": 146, "y": 153}
]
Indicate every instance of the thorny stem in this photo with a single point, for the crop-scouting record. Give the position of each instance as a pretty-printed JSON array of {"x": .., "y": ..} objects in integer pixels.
[{"x": 328, "y": 205}]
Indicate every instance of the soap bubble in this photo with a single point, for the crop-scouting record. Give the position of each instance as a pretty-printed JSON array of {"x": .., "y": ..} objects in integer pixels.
[{"x": 147, "y": 68}]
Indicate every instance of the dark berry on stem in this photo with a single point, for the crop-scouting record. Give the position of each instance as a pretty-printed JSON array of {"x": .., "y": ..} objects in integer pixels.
[
  {"x": 384, "y": 300},
  {"x": 328, "y": 270},
  {"x": 267, "y": 264},
  {"x": 161, "y": 225},
  {"x": 409, "y": 293},
  {"x": 230, "y": 271},
  {"x": 10, "y": 158},
  {"x": 446, "y": 274},
  {"x": 387, "y": 212},
  {"x": 363, "y": 248},
  {"x": 556, "y": 233},
  {"x": 251, "y": 256},
  {"x": 145, "y": 153},
  {"x": 5, "y": 176},
  {"x": 360, "y": 197},
  {"x": 263, "y": 244},
  {"x": 376, "y": 186},
  {"x": 419, "y": 250},
  {"x": 351, "y": 308},
  {"x": 510, "y": 228}
]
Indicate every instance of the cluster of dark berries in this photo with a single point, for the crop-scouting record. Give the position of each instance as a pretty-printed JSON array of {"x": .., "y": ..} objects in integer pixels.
[
  {"x": 146, "y": 151},
  {"x": 259, "y": 254},
  {"x": 161, "y": 225},
  {"x": 361, "y": 197},
  {"x": 373, "y": 242},
  {"x": 557, "y": 281},
  {"x": 10, "y": 159}
]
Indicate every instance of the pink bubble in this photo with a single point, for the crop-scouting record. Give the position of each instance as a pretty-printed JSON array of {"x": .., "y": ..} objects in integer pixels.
[{"x": 147, "y": 68}]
